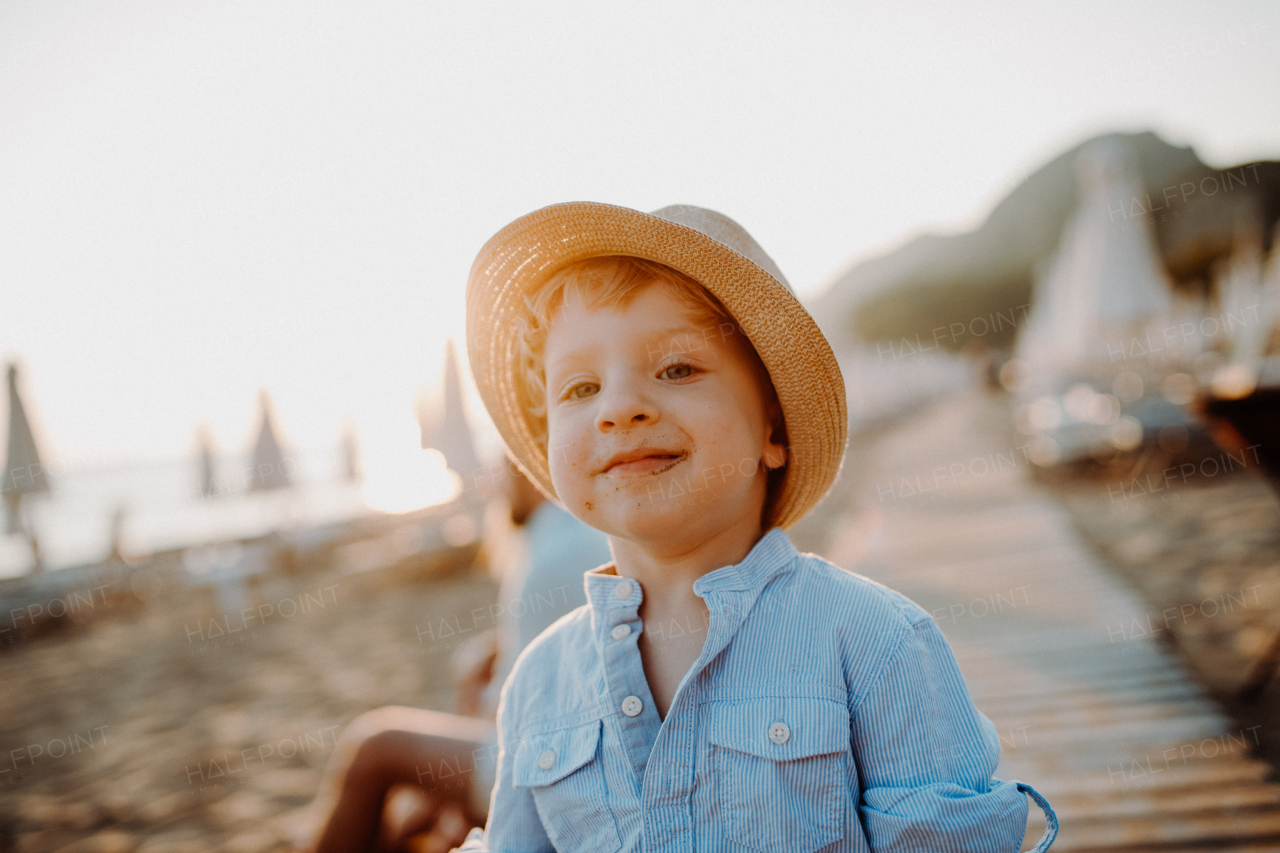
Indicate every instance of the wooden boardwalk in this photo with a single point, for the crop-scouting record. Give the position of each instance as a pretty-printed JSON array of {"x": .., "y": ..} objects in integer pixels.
[{"x": 1105, "y": 723}]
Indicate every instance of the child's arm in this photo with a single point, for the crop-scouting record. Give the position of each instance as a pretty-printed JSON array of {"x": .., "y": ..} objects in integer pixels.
[{"x": 926, "y": 757}]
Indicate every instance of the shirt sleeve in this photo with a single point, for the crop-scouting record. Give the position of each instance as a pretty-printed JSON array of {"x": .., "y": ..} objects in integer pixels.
[
  {"x": 926, "y": 757},
  {"x": 514, "y": 825}
]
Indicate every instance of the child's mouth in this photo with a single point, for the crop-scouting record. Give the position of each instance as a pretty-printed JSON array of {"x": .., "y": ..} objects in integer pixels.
[{"x": 643, "y": 462}]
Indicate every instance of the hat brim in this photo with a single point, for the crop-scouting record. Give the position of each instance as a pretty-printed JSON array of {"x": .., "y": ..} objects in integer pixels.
[{"x": 523, "y": 255}]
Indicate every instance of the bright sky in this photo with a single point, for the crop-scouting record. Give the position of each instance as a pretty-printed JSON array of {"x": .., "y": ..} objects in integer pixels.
[{"x": 198, "y": 200}]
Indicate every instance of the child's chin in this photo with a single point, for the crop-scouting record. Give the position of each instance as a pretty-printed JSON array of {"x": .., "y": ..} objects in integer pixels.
[{"x": 661, "y": 520}]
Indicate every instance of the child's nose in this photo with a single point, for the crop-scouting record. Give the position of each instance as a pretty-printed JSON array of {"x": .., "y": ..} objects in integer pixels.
[{"x": 625, "y": 407}]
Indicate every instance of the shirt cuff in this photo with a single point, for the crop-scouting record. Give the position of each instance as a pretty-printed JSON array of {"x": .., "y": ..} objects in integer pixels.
[{"x": 945, "y": 816}]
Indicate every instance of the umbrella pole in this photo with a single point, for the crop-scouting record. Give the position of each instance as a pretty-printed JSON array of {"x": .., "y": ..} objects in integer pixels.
[
  {"x": 28, "y": 530},
  {"x": 38, "y": 566}
]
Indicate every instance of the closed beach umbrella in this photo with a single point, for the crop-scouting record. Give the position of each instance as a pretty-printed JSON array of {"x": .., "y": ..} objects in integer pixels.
[
  {"x": 270, "y": 467},
  {"x": 206, "y": 462},
  {"x": 24, "y": 473},
  {"x": 449, "y": 432},
  {"x": 351, "y": 470},
  {"x": 1106, "y": 280}
]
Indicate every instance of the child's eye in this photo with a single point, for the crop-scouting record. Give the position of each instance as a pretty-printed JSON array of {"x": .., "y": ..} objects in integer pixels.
[
  {"x": 583, "y": 391},
  {"x": 679, "y": 370}
]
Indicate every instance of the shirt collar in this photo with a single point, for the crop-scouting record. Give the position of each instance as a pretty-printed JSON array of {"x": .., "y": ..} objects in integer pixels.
[{"x": 766, "y": 560}]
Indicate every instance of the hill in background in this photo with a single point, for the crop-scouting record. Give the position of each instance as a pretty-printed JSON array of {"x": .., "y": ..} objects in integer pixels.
[{"x": 1196, "y": 212}]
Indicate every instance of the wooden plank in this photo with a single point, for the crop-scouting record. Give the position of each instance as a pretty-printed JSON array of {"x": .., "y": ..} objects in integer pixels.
[
  {"x": 1166, "y": 832},
  {"x": 1068, "y": 783},
  {"x": 1082, "y": 807},
  {"x": 1090, "y": 706}
]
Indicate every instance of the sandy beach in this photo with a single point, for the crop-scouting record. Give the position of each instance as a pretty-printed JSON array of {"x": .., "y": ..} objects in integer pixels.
[{"x": 195, "y": 730}]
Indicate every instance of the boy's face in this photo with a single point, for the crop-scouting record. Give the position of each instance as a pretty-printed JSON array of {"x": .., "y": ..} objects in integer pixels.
[{"x": 657, "y": 425}]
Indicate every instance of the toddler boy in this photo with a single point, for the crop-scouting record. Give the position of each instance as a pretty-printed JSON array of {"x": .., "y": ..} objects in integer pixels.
[{"x": 719, "y": 691}]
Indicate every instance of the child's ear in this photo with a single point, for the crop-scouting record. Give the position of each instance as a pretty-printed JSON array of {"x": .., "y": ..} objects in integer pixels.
[
  {"x": 775, "y": 449},
  {"x": 775, "y": 456}
]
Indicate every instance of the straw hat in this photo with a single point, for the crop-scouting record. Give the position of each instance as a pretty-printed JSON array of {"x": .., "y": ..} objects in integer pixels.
[{"x": 710, "y": 248}]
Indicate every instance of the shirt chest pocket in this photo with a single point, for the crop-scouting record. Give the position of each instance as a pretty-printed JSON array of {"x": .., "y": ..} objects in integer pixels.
[
  {"x": 781, "y": 768},
  {"x": 563, "y": 769}
]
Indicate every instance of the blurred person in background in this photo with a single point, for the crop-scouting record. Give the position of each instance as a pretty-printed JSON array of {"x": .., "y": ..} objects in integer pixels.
[{"x": 402, "y": 774}]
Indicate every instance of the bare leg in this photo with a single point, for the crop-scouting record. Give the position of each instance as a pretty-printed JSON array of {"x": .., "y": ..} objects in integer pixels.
[{"x": 389, "y": 747}]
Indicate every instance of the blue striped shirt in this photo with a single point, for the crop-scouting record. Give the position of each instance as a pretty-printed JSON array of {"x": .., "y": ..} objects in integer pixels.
[{"x": 825, "y": 712}]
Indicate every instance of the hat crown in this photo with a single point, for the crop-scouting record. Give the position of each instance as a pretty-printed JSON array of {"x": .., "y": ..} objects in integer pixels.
[{"x": 725, "y": 231}]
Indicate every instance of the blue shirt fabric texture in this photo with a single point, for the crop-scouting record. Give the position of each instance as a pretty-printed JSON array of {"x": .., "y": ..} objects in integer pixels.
[{"x": 826, "y": 712}]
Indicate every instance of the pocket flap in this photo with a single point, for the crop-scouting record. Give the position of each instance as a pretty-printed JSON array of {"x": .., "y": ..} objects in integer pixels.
[
  {"x": 546, "y": 757},
  {"x": 781, "y": 728}
]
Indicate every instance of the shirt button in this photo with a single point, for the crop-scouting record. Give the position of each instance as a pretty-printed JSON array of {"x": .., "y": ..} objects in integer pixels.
[
  {"x": 621, "y": 632},
  {"x": 623, "y": 590},
  {"x": 779, "y": 733},
  {"x": 632, "y": 706},
  {"x": 547, "y": 760}
]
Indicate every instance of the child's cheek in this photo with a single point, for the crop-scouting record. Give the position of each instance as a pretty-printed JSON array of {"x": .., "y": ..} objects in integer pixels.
[{"x": 569, "y": 461}]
